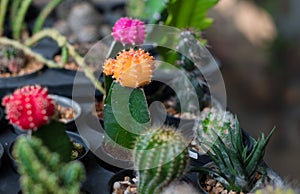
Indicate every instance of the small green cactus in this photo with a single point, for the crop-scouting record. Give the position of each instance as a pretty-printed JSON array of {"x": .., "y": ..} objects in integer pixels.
[
  {"x": 214, "y": 121},
  {"x": 160, "y": 157},
  {"x": 42, "y": 171},
  {"x": 11, "y": 60},
  {"x": 272, "y": 190}
]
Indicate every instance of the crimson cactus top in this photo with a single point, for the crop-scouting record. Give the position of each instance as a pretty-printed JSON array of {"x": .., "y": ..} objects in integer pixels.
[
  {"x": 129, "y": 31},
  {"x": 29, "y": 107}
]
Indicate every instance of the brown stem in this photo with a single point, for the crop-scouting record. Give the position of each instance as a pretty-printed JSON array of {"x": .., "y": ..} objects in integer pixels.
[{"x": 62, "y": 42}]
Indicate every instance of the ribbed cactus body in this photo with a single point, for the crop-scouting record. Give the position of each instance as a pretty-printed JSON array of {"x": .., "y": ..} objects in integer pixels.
[
  {"x": 160, "y": 157},
  {"x": 43, "y": 172}
]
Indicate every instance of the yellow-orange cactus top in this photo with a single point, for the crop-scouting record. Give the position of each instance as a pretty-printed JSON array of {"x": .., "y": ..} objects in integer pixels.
[{"x": 132, "y": 68}]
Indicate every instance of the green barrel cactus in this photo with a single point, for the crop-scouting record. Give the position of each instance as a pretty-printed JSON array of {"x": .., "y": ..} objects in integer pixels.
[
  {"x": 160, "y": 157},
  {"x": 42, "y": 172}
]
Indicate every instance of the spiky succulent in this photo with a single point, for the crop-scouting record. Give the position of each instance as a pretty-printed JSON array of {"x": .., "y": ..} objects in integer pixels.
[
  {"x": 160, "y": 157},
  {"x": 237, "y": 167}
]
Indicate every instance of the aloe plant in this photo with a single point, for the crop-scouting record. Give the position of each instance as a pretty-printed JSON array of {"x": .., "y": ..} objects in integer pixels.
[{"x": 237, "y": 166}]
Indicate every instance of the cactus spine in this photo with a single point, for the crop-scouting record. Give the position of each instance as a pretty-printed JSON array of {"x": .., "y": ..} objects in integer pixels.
[
  {"x": 43, "y": 172},
  {"x": 160, "y": 157}
]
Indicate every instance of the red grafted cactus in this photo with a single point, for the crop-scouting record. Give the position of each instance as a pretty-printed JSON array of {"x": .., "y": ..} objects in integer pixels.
[
  {"x": 29, "y": 107},
  {"x": 129, "y": 31}
]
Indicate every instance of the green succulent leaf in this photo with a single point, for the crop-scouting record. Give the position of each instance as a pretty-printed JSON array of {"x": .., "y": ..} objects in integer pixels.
[
  {"x": 150, "y": 10},
  {"x": 56, "y": 139},
  {"x": 190, "y": 15}
]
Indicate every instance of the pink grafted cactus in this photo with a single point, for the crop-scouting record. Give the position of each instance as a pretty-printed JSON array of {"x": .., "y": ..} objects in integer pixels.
[
  {"x": 29, "y": 107},
  {"x": 129, "y": 31}
]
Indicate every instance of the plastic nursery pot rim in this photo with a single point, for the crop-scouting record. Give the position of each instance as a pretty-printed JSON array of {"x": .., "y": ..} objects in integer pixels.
[
  {"x": 119, "y": 176},
  {"x": 67, "y": 102},
  {"x": 116, "y": 166},
  {"x": 1, "y": 153},
  {"x": 78, "y": 139},
  {"x": 25, "y": 76},
  {"x": 1, "y": 114},
  {"x": 272, "y": 177}
]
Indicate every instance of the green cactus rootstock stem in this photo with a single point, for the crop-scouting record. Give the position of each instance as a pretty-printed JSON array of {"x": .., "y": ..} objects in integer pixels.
[
  {"x": 44, "y": 13},
  {"x": 42, "y": 171},
  {"x": 20, "y": 15},
  {"x": 126, "y": 114},
  {"x": 62, "y": 42},
  {"x": 160, "y": 157},
  {"x": 28, "y": 51}
]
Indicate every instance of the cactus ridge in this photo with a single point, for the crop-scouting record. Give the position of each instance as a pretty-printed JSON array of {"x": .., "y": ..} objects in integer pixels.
[{"x": 160, "y": 156}]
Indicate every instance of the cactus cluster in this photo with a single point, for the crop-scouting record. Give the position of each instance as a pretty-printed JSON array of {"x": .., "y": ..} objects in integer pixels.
[
  {"x": 132, "y": 68},
  {"x": 11, "y": 60},
  {"x": 160, "y": 157},
  {"x": 42, "y": 171},
  {"x": 29, "y": 107}
]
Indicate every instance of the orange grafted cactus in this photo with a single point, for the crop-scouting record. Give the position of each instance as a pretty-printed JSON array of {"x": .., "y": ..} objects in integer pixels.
[{"x": 132, "y": 68}]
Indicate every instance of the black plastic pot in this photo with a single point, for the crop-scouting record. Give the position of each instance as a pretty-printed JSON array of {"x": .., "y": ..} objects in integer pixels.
[
  {"x": 272, "y": 177},
  {"x": 75, "y": 137},
  {"x": 1, "y": 154},
  {"x": 190, "y": 178},
  {"x": 2, "y": 117},
  {"x": 67, "y": 102},
  {"x": 119, "y": 176}
]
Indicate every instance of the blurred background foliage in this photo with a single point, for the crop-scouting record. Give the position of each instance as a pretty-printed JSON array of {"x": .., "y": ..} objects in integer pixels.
[{"x": 257, "y": 43}]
